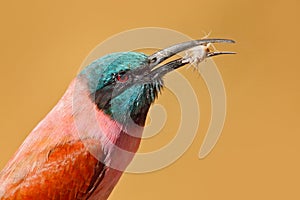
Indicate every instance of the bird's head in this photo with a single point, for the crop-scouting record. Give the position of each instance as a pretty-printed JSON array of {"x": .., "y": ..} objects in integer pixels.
[{"x": 124, "y": 85}]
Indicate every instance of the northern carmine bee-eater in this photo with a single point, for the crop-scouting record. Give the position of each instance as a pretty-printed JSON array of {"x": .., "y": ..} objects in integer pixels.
[{"x": 80, "y": 149}]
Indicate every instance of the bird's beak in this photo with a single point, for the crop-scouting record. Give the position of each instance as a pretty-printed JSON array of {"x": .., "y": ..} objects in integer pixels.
[
  {"x": 150, "y": 72},
  {"x": 155, "y": 59}
]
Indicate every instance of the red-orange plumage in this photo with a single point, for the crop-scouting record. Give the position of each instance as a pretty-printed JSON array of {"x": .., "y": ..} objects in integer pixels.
[
  {"x": 60, "y": 161},
  {"x": 49, "y": 180}
]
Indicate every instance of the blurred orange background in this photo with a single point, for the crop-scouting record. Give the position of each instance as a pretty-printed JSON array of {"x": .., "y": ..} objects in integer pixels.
[{"x": 43, "y": 43}]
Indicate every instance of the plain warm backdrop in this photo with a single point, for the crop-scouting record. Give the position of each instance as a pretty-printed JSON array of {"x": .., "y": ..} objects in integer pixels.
[{"x": 43, "y": 43}]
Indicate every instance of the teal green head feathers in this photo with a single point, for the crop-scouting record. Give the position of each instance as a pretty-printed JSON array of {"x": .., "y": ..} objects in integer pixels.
[
  {"x": 112, "y": 89},
  {"x": 124, "y": 85}
]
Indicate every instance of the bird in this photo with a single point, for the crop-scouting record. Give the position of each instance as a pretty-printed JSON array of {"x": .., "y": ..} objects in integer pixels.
[{"x": 84, "y": 144}]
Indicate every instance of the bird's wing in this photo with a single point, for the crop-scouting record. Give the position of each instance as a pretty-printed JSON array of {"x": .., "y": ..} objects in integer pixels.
[{"x": 69, "y": 171}]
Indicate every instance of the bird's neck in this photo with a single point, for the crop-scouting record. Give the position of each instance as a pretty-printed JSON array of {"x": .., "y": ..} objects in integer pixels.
[{"x": 93, "y": 122}]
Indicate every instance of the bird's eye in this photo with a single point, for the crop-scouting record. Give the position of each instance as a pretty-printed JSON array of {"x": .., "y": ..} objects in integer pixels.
[{"x": 122, "y": 77}]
